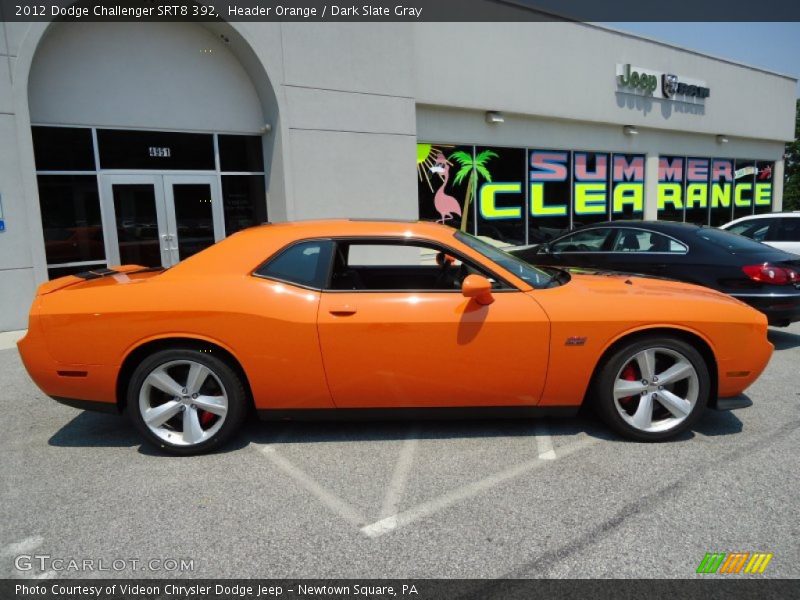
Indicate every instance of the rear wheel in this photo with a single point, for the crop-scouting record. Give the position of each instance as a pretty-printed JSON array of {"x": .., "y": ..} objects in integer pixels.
[
  {"x": 653, "y": 388},
  {"x": 185, "y": 401}
]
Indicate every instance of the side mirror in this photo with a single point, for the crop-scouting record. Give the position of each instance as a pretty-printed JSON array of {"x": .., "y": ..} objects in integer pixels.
[
  {"x": 545, "y": 248},
  {"x": 478, "y": 287}
]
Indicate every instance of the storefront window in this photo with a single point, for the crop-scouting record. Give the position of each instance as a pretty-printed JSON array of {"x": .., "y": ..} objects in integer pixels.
[
  {"x": 500, "y": 196},
  {"x": 762, "y": 200},
  {"x": 627, "y": 186},
  {"x": 244, "y": 201},
  {"x": 242, "y": 153},
  {"x": 155, "y": 150},
  {"x": 722, "y": 199},
  {"x": 446, "y": 193},
  {"x": 671, "y": 171},
  {"x": 70, "y": 207},
  {"x": 63, "y": 149},
  {"x": 549, "y": 194},
  {"x": 590, "y": 188}
]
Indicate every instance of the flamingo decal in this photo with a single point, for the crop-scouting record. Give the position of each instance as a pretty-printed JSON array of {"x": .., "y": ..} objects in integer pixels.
[{"x": 446, "y": 205}]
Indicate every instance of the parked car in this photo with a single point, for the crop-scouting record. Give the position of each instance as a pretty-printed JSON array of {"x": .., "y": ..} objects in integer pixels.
[
  {"x": 339, "y": 318},
  {"x": 766, "y": 278},
  {"x": 779, "y": 230}
]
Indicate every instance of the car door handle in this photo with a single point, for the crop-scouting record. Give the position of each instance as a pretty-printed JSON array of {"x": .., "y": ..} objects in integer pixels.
[{"x": 342, "y": 310}]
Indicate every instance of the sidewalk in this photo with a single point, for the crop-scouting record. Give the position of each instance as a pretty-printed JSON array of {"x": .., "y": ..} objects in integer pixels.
[{"x": 8, "y": 339}]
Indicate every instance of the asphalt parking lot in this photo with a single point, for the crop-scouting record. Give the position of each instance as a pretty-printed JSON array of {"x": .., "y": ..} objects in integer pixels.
[{"x": 547, "y": 498}]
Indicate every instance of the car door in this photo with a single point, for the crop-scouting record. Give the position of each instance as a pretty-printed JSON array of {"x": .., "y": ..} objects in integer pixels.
[
  {"x": 647, "y": 252},
  {"x": 586, "y": 248},
  {"x": 387, "y": 343}
]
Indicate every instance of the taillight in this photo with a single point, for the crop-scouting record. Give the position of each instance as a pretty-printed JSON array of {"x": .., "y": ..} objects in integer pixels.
[{"x": 767, "y": 273}]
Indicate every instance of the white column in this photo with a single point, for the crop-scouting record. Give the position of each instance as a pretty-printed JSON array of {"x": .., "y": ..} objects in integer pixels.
[
  {"x": 651, "y": 186},
  {"x": 777, "y": 186}
]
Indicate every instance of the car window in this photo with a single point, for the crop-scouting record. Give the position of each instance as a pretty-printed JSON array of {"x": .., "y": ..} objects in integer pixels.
[
  {"x": 587, "y": 240},
  {"x": 755, "y": 230},
  {"x": 733, "y": 243},
  {"x": 788, "y": 230},
  {"x": 528, "y": 273},
  {"x": 401, "y": 266},
  {"x": 304, "y": 264},
  {"x": 641, "y": 241}
]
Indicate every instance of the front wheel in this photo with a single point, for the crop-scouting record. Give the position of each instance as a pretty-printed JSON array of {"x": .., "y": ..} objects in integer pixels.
[
  {"x": 652, "y": 389},
  {"x": 185, "y": 401}
]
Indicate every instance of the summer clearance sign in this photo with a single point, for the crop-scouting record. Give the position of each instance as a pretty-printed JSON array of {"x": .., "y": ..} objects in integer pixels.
[
  {"x": 720, "y": 187},
  {"x": 523, "y": 194}
]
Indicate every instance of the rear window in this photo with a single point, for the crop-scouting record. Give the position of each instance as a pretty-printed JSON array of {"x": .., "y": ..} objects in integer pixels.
[
  {"x": 733, "y": 243},
  {"x": 304, "y": 264}
]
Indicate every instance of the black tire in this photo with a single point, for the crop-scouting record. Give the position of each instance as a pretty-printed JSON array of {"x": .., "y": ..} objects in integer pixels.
[
  {"x": 602, "y": 389},
  {"x": 225, "y": 379}
]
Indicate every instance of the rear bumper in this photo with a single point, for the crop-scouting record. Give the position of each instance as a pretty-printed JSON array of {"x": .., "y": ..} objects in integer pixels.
[
  {"x": 780, "y": 307},
  {"x": 94, "y": 385}
]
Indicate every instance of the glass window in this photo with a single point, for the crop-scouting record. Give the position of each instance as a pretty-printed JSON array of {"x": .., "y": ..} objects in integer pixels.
[
  {"x": 123, "y": 149},
  {"x": 755, "y": 229},
  {"x": 70, "y": 207},
  {"x": 587, "y": 240},
  {"x": 63, "y": 149},
  {"x": 400, "y": 266},
  {"x": 639, "y": 240},
  {"x": 305, "y": 264},
  {"x": 590, "y": 188},
  {"x": 549, "y": 194},
  {"x": 241, "y": 153},
  {"x": 57, "y": 272},
  {"x": 528, "y": 273},
  {"x": 244, "y": 200},
  {"x": 500, "y": 195},
  {"x": 443, "y": 196},
  {"x": 671, "y": 180},
  {"x": 788, "y": 230}
]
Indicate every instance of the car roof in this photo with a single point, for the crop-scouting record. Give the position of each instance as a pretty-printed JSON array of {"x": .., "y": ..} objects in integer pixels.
[
  {"x": 795, "y": 214},
  {"x": 665, "y": 226},
  {"x": 247, "y": 248}
]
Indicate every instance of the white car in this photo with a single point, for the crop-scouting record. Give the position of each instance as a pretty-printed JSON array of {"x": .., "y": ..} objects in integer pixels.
[{"x": 780, "y": 230}]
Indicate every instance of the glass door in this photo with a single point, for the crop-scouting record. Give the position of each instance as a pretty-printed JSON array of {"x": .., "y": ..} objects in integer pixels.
[
  {"x": 155, "y": 220},
  {"x": 194, "y": 213}
]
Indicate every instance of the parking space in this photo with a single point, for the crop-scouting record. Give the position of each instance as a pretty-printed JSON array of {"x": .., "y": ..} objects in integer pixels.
[{"x": 404, "y": 499}]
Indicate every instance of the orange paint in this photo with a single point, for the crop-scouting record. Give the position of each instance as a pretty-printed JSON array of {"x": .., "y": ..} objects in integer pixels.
[{"x": 304, "y": 348}]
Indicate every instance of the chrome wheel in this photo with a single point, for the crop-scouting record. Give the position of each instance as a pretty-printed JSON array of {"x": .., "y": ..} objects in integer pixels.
[
  {"x": 183, "y": 402},
  {"x": 656, "y": 389}
]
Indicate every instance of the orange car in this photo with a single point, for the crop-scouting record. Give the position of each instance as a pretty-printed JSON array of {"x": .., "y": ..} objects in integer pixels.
[{"x": 309, "y": 319}]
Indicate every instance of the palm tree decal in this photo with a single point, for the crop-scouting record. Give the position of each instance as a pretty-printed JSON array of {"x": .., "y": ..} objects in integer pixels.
[{"x": 472, "y": 167}]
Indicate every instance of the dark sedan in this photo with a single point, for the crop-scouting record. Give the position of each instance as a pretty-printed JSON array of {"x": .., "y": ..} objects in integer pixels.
[{"x": 764, "y": 277}]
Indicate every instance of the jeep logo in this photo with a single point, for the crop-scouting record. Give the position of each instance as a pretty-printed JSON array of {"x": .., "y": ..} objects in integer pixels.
[{"x": 639, "y": 81}]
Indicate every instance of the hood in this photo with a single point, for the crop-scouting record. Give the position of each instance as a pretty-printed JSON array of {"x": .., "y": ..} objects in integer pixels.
[{"x": 619, "y": 284}]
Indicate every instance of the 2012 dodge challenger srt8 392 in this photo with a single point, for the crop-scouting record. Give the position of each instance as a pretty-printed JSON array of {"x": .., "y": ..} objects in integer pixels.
[{"x": 352, "y": 317}]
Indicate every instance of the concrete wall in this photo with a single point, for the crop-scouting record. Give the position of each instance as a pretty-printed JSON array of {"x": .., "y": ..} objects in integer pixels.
[{"x": 567, "y": 70}]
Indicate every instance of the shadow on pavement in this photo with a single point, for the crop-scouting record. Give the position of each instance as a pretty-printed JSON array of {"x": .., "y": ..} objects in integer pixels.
[
  {"x": 783, "y": 340},
  {"x": 98, "y": 430}
]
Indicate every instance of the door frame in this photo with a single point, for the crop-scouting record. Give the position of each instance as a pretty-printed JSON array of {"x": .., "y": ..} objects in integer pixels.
[{"x": 165, "y": 210}]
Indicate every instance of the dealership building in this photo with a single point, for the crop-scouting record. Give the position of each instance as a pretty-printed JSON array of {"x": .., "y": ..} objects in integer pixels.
[{"x": 142, "y": 143}]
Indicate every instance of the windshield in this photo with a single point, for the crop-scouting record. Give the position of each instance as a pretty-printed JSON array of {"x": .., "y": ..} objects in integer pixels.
[
  {"x": 732, "y": 242},
  {"x": 528, "y": 273}
]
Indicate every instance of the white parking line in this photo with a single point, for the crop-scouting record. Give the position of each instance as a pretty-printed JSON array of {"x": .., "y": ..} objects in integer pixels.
[
  {"x": 425, "y": 509},
  {"x": 544, "y": 442},
  {"x": 328, "y": 498},
  {"x": 401, "y": 470}
]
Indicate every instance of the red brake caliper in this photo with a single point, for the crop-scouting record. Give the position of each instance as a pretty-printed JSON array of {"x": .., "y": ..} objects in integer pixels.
[
  {"x": 628, "y": 374},
  {"x": 206, "y": 418}
]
